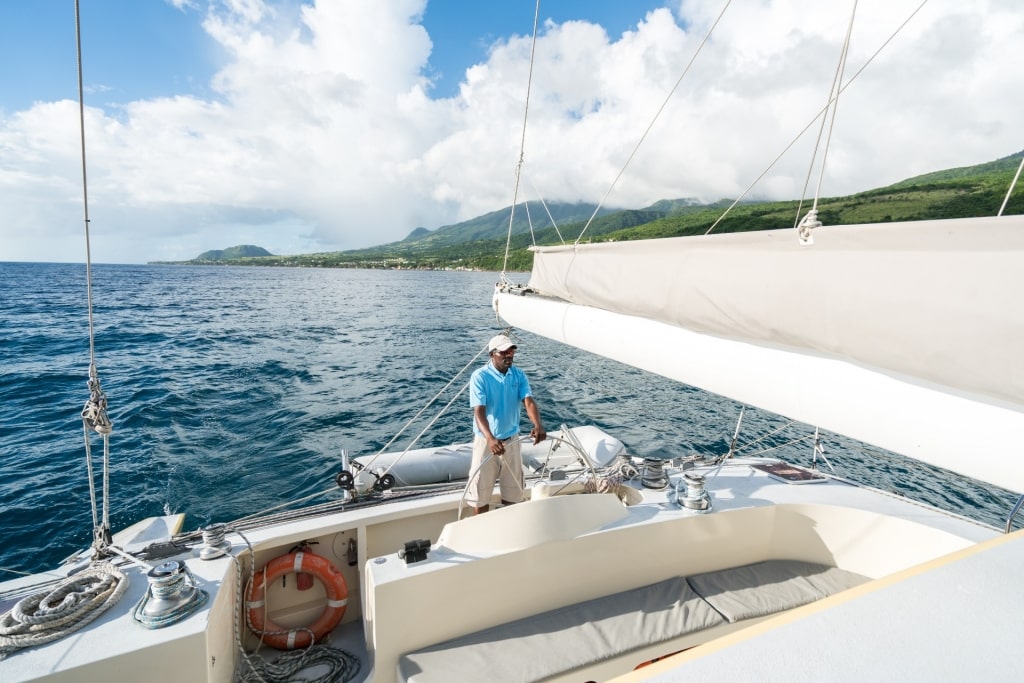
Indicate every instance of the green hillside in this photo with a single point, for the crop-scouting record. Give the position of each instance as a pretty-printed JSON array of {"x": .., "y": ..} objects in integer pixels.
[
  {"x": 232, "y": 253},
  {"x": 480, "y": 243},
  {"x": 493, "y": 225}
]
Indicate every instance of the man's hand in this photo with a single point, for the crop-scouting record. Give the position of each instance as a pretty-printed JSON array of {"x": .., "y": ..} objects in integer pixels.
[
  {"x": 497, "y": 447},
  {"x": 538, "y": 434}
]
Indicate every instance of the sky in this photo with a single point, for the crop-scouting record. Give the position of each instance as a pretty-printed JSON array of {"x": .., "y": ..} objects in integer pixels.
[{"x": 329, "y": 125}]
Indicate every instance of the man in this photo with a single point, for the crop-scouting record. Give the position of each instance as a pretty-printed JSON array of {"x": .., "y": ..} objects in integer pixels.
[{"x": 495, "y": 394}]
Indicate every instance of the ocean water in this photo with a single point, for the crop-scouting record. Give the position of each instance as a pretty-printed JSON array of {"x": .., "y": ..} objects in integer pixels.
[{"x": 233, "y": 390}]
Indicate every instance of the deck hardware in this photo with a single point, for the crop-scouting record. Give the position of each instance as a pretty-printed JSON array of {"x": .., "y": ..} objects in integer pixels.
[
  {"x": 694, "y": 496},
  {"x": 415, "y": 551},
  {"x": 161, "y": 549},
  {"x": 345, "y": 480},
  {"x": 214, "y": 543},
  {"x": 172, "y": 595},
  {"x": 653, "y": 474},
  {"x": 384, "y": 482}
]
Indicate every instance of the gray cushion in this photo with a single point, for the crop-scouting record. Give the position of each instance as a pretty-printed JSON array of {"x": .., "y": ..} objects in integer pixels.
[
  {"x": 756, "y": 590},
  {"x": 556, "y": 642},
  {"x": 561, "y": 640}
]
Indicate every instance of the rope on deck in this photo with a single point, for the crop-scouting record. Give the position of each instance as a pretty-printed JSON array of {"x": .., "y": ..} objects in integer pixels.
[{"x": 62, "y": 609}]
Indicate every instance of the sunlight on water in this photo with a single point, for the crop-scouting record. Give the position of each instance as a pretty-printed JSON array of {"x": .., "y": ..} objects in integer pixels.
[{"x": 233, "y": 390}]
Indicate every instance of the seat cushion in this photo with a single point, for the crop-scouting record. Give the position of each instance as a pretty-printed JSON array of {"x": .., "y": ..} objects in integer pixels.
[
  {"x": 763, "y": 588},
  {"x": 561, "y": 640}
]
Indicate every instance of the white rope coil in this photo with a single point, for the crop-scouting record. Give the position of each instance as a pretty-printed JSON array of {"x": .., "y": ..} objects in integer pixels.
[{"x": 54, "y": 613}]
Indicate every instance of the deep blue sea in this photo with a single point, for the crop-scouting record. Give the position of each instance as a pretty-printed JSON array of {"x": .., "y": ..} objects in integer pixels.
[{"x": 233, "y": 390}]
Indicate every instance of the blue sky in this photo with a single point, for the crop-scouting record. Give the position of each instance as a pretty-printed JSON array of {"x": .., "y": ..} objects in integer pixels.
[
  {"x": 150, "y": 48},
  {"x": 339, "y": 124}
]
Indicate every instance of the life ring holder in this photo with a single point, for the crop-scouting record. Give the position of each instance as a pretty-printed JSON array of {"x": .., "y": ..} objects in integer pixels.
[{"x": 300, "y": 561}]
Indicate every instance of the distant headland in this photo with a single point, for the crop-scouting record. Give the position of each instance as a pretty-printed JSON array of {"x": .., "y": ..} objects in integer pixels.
[{"x": 241, "y": 251}]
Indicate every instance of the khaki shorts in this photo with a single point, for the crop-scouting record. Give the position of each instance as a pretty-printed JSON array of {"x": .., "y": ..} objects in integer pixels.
[{"x": 507, "y": 468}]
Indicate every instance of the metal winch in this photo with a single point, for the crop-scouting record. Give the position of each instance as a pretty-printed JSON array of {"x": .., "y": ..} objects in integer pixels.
[
  {"x": 172, "y": 595},
  {"x": 691, "y": 494},
  {"x": 653, "y": 476}
]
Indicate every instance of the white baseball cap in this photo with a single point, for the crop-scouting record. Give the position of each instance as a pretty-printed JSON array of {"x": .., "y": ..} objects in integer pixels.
[{"x": 499, "y": 343}]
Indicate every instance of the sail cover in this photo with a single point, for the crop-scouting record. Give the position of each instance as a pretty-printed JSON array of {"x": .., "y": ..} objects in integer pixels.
[{"x": 905, "y": 335}]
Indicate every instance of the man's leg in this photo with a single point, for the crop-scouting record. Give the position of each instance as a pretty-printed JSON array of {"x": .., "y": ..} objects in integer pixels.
[
  {"x": 510, "y": 475},
  {"x": 483, "y": 470}
]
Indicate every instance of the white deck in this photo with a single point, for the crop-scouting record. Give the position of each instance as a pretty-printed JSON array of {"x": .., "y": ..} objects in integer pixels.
[{"x": 755, "y": 516}]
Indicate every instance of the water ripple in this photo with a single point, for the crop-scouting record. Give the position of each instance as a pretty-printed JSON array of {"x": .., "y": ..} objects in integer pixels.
[{"x": 233, "y": 390}]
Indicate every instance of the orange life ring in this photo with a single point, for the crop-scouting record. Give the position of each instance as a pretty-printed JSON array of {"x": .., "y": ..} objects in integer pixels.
[{"x": 309, "y": 563}]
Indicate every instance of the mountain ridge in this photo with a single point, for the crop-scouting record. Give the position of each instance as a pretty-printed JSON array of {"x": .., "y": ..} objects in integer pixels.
[{"x": 480, "y": 243}]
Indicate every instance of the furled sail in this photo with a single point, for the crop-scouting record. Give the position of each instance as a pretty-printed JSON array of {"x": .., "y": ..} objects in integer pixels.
[{"x": 908, "y": 336}]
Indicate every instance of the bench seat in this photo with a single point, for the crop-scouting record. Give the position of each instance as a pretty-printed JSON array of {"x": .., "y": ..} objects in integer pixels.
[{"x": 568, "y": 638}]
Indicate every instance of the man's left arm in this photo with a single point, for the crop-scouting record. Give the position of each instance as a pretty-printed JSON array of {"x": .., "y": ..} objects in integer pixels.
[{"x": 533, "y": 413}]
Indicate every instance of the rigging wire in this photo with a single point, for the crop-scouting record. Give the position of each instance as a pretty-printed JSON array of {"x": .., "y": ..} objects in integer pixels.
[
  {"x": 263, "y": 513},
  {"x": 424, "y": 408},
  {"x": 94, "y": 413},
  {"x": 529, "y": 220},
  {"x": 551, "y": 218},
  {"x": 522, "y": 144},
  {"x": 761, "y": 438},
  {"x": 837, "y": 79},
  {"x": 428, "y": 426},
  {"x": 657, "y": 114},
  {"x": 1012, "y": 185},
  {"x": 815, "y": 117}
]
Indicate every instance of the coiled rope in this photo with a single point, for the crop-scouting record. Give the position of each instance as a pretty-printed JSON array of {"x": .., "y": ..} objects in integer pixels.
[
  {"x": 340, "y": 666},
  {"x": 66, "y": 607}
]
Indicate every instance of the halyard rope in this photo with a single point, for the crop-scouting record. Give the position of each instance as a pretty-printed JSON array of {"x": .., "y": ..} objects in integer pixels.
[
  {"x": 94, "y": 413},
  {"x": 820, "y": 112},
  {"x": 810, "y": 221}
]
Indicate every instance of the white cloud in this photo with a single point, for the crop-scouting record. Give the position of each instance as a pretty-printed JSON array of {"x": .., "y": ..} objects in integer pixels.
[{"x": 324, "y": 135}]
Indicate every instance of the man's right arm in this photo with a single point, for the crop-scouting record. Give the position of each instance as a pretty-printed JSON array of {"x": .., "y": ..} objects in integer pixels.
[{"x": 493, "y": 445}]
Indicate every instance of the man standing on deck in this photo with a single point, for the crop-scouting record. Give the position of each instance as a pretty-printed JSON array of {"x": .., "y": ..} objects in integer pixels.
[{"x": 495, "y": 393}]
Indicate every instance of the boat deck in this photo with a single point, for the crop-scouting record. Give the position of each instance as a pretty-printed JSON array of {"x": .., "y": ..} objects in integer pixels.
[
  {"x": 956, "y": 618},
  {"x": 761, "y": 511}
]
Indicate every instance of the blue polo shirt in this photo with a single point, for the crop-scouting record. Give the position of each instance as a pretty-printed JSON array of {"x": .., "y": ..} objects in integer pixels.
[{"x": 502, "y": 394}]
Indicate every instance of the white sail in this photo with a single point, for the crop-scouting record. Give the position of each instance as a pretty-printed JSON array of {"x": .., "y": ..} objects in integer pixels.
[{"x": 904, "y": 335}]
